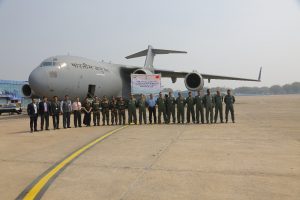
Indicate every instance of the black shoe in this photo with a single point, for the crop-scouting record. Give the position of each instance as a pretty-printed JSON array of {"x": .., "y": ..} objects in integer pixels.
[{"x": 31, "y": 131}]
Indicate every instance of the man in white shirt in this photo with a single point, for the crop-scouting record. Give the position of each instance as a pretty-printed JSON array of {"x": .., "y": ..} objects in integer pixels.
[
  {"x": 32, "y": 111},
  {"x": 76, "y": 107}
]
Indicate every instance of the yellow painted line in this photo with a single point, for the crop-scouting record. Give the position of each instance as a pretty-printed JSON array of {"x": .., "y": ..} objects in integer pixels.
[{"x": 34, "y": 191}]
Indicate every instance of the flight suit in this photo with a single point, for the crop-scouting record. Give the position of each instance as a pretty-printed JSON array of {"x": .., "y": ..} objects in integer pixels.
[
  {"x": 121, "y": 105},
  {"x": 131, "y": 104},
  {"x": 142, "y": 111},
  {"x": 209, "y": 105},
  {"x": 229, "y": 100},
  {"x": 180, "y": 101},
  {"x": 161, "y": 104},
  {"x": 190, "y": 109},
  {"x": 218, "y": 101},
  {"x": 114, "y": 112},
  {"x": 105, "y": 111},
  {"x": 96, "y": 112},
  {"x": 170, "y": 103},
  {"x": 199, "y": 108}
]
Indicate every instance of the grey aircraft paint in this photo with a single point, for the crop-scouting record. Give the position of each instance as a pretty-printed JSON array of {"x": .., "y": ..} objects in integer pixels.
[{"x": 78, "y": 76}]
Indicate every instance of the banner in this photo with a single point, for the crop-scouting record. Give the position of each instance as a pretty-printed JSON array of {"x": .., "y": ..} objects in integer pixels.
[{"x": 145, "y": 83}]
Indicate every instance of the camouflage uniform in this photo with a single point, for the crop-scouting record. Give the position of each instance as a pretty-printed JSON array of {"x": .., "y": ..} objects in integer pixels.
[
  {"x": 114, "y": 111},
  {"x": 121, "y": 104},
  {"x": 218, "y": 100},
  {"x": 132, "y": 111},
  {"x": 96, "y": 112},
  {"x": 190, "y": 109},
  {"x": 161, "y": 104},
  {"x": 199, "y": 108},
  {"x": 105, "y": 111},
  {"x": 180, "y": 101},
  {"x": 170, "y": 102},
  {"x": 209, "y": 105},
  {"x": 229, "y": 100}
]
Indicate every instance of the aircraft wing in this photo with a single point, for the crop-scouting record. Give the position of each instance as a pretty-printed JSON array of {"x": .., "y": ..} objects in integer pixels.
[{"x": 178, "y": 74}]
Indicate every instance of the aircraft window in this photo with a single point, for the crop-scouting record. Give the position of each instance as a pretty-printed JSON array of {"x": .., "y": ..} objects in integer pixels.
[{"x": 48, "y": 64}]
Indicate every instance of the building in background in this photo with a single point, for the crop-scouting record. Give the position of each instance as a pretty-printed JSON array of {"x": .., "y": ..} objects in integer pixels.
[{"x": 11, "y": 92}]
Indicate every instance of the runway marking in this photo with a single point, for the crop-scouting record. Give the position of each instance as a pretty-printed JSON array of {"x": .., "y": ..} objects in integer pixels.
[{"x": 39, "y": 186}]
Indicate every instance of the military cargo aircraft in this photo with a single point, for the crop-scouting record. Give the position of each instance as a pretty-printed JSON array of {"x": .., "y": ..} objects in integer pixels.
[{"x": 79, "y": 77}]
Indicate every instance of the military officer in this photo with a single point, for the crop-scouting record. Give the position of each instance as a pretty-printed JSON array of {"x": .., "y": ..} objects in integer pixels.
[
  {"x": 180, "y": 101},
  {"x": 142, "y": 109},
  {"x": 218, "y": 101},
  {"x": 161, "y": 105},
  {"x": 131, "y": 104},
  {"x": 113, "y": 111},
  {"x": 190, "y": 108},
  {"x": 96, "y": 111},
  {"x": 209, "y": 105},
  {"x": 105, "y": 110},
  {"x": 199, "y": 108},
  {"x": 121, "y": 105},
  {"x": 170, "y": 103},
  {"x": 229, "y": 100}
]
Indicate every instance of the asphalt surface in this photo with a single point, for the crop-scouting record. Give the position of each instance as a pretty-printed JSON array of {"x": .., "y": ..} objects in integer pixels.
[{"x": 256, "y": 158}]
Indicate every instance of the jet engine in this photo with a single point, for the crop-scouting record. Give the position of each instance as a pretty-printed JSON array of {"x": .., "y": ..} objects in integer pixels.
[
  {"x": 26, "y": 90},
  {"x": 194, "y": 81},
  {"x": 142, "y": 71}
]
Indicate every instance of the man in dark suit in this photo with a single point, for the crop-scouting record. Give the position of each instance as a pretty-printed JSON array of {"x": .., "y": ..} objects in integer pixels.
[
  {"x": 55, "y": 111},
  {"x": 44, "y": 111},
  {"x": 32, "y": 110}
]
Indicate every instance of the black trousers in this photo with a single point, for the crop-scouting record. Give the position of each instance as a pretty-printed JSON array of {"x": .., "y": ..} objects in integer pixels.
[
  {"x": 87, "y": 119},
  {"x": 66, "y": 119},
  {"x": 55, "y": 118},
  {"x": 44, "y": 118},
  {"x": 152, "y": 112},
  {"x": 77, "y": 118},
  {"x": 33, "y": 122}
]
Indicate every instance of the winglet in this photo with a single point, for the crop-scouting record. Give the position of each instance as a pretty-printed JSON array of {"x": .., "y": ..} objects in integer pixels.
[{"x": 259, "y": 75}]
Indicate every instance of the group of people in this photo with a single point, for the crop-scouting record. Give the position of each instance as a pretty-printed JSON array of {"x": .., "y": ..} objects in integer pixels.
[{"x": 115, "y": 108}]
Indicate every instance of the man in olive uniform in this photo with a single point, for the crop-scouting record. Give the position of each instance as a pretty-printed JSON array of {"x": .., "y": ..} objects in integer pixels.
[
  {"x": 170, "y": 103},
  {"x": 142, "y": 109},
  {"x": 131, "y": 104},
  {"x": 105, "y": 110},
  {"x": 229, "y": 100},
  {"x": 161, "y": 104},
  {"x": 121, "y": 105},
  {"x": 180, "y": 101},
  {"x": 113, "y": 111},
  {"x": 199, "y": 108},
  {"x": 55, "y": 111},
  {"x": 96, "y": 111},
  {"x": 209, "y": 105},
  {"x": 218, "y": 101},
  {"x": 190, "y": 108}
]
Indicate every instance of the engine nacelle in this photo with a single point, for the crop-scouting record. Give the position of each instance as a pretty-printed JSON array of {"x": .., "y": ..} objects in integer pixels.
[
  {"x": 26, "y": 90},
  {"x": 142, "y": 71},
  {"x": 194, "y": 81}
]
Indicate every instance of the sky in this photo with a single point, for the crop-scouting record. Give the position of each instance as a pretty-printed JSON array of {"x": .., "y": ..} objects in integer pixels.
[{"x": 222, "y": 37}]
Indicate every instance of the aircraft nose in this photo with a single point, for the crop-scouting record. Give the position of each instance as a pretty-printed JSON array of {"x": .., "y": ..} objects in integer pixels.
[{"x": 38, "y": 81}]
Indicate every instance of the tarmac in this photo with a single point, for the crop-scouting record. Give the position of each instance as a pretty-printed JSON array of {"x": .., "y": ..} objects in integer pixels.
[{"x": 258, "y": 157}]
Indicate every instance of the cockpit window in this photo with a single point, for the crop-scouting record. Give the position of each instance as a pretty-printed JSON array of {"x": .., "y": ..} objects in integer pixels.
[{"x": 47, "y": 64}]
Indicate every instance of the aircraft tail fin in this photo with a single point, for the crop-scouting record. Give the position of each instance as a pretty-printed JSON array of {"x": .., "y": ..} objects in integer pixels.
[{"x": 150, "y": 53}]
